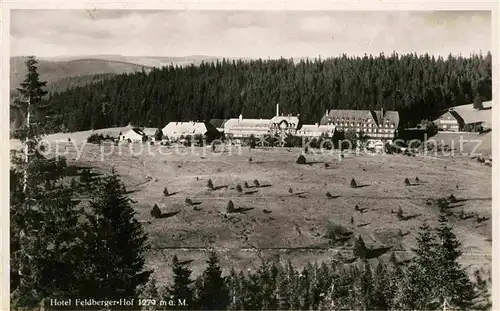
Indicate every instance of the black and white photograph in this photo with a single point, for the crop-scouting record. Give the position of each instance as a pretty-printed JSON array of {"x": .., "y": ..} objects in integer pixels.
[{"x": 250, "y": 159}]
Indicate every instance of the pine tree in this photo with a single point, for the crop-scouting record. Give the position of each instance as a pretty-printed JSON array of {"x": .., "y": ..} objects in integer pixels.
[
  {"x": 301, "y": 159},
  {"x": 247, "y": 185},
  {"x": 407, "y": 181},
  {"x": 214, "y": 294},
  {"x": 478, "y": 103},
  {"x": 33, "y": 109},
  {"x": 116, "y": 258},
  {"x": 367, "y": 287},
  {"x": 230, "y": 207},
  {"x": 158, "y": 135},
  {"x": 165, "y": 192},
  {"x": 455, "y": 286},
  {"x": 360, "y": 248},
  {"x": 155, "y": 212},
  {"x": 45, "y": 235},
  {"x": 238, "y": 188},
  {"x": 353, "y": 183},
  {"x": 181, "y": 287},
  {"x": 151, "y": 291},
  {"x": 210, "y": 184},
  {"x": 422, "y": 272},
  {"x": 290, "y": 190},
  {"x": 256, "y": 183},
  {"x": 400, "y": 213}
]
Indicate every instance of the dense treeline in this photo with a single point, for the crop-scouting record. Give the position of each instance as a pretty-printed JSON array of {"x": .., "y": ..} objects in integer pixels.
[
  {"x": 417, "y": 86},
  {"x": 432, "y": 280}
]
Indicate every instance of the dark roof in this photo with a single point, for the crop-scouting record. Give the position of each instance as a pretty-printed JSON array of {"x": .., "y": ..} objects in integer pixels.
[
  {"x": 376, "y": 115},
  {"x": 218, "y": 123}
]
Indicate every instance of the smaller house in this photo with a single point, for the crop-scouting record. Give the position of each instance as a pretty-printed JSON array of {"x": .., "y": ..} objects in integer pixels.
[
  {"x": 176, "y": 130},
  {"x": 150, "y": 132},
  {"x": 465, "y": 118},
  {"x": 133, "y": 134}
]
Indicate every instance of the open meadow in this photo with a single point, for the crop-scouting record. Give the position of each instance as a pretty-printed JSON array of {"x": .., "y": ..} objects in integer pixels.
[{"x": 287, "y": 215}]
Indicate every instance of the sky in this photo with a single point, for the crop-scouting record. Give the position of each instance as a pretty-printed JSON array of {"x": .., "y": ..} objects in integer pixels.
[{"x": 252, "y": 34}]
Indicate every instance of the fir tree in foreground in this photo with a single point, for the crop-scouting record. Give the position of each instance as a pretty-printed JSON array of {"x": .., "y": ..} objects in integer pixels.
[
  {"x": 435, "y": 276},
  {"x": 116, "y": 257},
  {"x": 45, "y": 236},
  {"x": 213, "y": 294},
  {"x": 181, "y": 287}
]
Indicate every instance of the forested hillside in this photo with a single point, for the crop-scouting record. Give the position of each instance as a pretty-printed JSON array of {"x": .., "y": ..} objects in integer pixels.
[{"x": 417, "y": 86}]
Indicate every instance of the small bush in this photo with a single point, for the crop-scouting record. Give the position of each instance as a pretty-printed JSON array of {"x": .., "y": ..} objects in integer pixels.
[
  {"x": 155, "y": 212},
  {"x": 353, "y": 183},
  {"x": 238, "y": 188},
  {"x": 246, "y": 185},
  {"x": 400, "y": 213},
  {"x": 327, "y": 165},
  {"x": 188, "y": 201},
  {"x": 452, "y": 199},
  {"x": 416, "y": 179},
  {"x": 336, "y": 232},
  {"x": 306, "y": 150},
  {"x": 407, "y": 181},
  {"x": 328, "y": 194},
  {"x": 165, "y": 192},
  {"x": 69, "y": 140},
  {"x": 356, "y": 208},
  {"x": 290, "y": 190},
  {"x": 250, "y": 159},
  {"x": 152, "y": 143},
  {"x": 301, "y": 160},
  {"x": 360, "y": 248},
  {"x": 256, "y": 183},
  {"x": 352, "y": 220},
  {"x": 210, "y": 184},
  {"x": 230, "y": 207}
]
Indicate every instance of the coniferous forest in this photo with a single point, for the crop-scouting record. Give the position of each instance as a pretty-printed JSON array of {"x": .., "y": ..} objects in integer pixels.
[
  {"x": 419, "y": 87},
  {"x": 75, "y": 234}
]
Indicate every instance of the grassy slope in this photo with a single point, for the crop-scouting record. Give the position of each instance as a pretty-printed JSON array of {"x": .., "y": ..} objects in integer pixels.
[{"x": 293, "y": 221}]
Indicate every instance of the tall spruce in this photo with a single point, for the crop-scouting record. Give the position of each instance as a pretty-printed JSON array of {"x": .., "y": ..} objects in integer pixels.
[
  {"x": 422, "y": 272},
  {"x": 45, "y": 235},
  {"x": 181, "y": 287},
  {"x": 117, "y": 241},
  {"x": 34, "y": 111},
  {"x": 214, "y": 293},
  {"x": 454, "y": 286}
]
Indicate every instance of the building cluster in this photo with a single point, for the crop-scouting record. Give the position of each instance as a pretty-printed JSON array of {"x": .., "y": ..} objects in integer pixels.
[{"x": 375, "y": 125}]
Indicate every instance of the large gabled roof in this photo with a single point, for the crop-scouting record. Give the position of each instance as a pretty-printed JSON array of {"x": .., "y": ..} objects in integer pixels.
[{"x": 375, "y": 115}]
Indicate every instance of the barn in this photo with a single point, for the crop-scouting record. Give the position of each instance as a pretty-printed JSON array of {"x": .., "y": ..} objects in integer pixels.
[{"x": 133, "y": 134}]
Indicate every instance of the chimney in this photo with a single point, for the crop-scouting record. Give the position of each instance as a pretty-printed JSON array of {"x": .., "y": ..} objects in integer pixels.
[
  {"x": 277, "y": 110},
  {"x": 241, "y": 117},
  {"x": 326, "y": 112}
]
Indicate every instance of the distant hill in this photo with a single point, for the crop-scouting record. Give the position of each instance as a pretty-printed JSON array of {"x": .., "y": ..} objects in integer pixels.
[
  {"x": 63, "y": 74},
  {"x": 53, "y": 71},
  {"x": 149, "y": 61}
]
